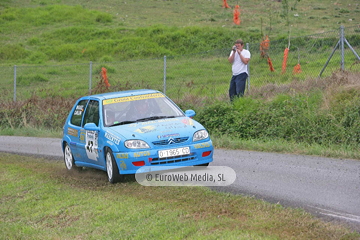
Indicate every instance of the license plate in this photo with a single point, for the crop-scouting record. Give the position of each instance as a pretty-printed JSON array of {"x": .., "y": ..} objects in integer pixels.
[{"x": 174, "y": 152}]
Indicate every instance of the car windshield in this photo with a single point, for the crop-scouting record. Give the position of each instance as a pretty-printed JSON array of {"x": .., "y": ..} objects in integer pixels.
[{"x": 125, "y": 110}]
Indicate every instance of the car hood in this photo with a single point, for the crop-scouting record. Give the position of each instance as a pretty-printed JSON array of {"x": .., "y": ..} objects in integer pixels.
[{"x": 159, "y": 130}]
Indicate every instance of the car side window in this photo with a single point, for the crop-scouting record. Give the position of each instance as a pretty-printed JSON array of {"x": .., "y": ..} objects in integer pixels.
[
  {"x": 92, "y": 113},
  {"x": 78, "y": 113}
]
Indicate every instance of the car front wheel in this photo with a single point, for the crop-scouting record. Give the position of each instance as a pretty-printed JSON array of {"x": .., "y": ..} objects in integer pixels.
[
  {"x": 111, "y": 167},
  {"x": 69, "y": 159}
]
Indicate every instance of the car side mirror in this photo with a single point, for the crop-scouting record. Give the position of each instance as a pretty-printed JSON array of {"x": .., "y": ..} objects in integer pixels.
[
  {"x": 190, "y": 113},
  {"x": 91, "y": 127}
]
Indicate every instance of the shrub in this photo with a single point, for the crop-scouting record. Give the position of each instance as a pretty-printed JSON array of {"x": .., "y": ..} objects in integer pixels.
[
  {"x": 48, "y": 113},
  {"x": 297, "y": 118}
]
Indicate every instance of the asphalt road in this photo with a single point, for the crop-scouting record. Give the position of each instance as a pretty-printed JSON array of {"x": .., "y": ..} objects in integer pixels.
[{"x": 326, "y": 187}]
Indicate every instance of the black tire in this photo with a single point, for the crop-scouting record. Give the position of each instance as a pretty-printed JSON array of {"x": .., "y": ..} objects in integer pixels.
[
  {"x": 112, "y": 169},
  {"x": 69, "y": 159}
]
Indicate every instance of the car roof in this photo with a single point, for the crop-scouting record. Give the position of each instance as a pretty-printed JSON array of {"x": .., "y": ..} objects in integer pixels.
[{"x": 127, "y": 93}]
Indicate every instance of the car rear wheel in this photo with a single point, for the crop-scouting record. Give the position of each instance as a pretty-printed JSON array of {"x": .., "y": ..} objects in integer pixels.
[
  {"x": 69, "y": 159},
  {"x": 112, "y": 169}
]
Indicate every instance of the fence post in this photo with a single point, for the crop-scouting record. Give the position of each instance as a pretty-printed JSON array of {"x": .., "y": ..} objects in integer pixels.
[
  {"x": 15, "y": 83},
  {"x": 90, "y": 77},
  {"x": 342, "y": 48},
  {"x": 332, "y": 53},
  {"x": 164, "y": 75}
]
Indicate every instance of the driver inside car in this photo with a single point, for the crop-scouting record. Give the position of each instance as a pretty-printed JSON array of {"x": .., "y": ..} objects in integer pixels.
[{"x": 139, "y": 109}]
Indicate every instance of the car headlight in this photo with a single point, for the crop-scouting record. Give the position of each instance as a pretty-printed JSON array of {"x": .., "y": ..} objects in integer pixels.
[
  {"x": 200, "y": 135},
  {"x": 136, "y": 144}
]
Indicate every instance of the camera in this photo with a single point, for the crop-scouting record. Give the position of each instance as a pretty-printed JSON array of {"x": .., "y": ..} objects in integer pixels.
[{"x": 234, "y": 48}]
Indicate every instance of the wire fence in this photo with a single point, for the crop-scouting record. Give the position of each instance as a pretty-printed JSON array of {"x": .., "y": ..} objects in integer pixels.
[{"x": 201, "y": 75}]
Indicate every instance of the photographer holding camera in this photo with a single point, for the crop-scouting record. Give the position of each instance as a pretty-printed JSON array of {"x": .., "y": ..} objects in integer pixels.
[{"x": 239, "y": 58}]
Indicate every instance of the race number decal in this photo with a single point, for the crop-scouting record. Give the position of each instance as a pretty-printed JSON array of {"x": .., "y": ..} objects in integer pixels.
[{"x": 92, "y": 145}]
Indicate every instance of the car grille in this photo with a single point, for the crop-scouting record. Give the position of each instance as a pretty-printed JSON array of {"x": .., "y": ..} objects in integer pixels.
[
  {"x": 174, "y": 141},
  {"x": 169, "y": 160}
]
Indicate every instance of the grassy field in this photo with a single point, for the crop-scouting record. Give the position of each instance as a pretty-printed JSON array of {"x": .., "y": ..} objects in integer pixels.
[
  {"x": 60, "y": 30},
  {"x": 41, "y": 200},
  {"x": 54, "y": 41},
  {"x": 304, "y": 16}
]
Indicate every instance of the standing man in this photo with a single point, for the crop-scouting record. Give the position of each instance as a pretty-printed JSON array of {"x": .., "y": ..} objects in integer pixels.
[{"x": 239, "y": 58}]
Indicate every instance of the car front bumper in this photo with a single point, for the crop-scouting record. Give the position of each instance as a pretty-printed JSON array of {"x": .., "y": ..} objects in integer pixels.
[{"x": 130, "y": 162}]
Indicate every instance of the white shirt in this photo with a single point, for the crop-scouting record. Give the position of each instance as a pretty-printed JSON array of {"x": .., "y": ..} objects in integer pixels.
[{"x": 238, "y": 66}]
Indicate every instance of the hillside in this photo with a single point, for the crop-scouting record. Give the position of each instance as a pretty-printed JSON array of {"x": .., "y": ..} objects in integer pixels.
[{"x": 68, "y": 30}]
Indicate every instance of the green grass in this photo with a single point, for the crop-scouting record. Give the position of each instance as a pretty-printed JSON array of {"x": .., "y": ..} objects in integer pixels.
[
  {"x": 343, "y": 151},
  {"x": 29, "y": 131},
  {"x": 61, "y": 37},
  {"x": 41, "y": 32},
  {"x": 211, "y": 72},
  {"x": 41, "y": 200},
  {"x": 256, "y": 15}
]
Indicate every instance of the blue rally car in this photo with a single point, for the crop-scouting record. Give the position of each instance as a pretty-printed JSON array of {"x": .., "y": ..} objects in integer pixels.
[{"x": 121, "y": 132}]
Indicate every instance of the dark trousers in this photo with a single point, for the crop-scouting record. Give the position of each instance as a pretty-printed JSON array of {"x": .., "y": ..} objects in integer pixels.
[{"x": 237, "y": 86}]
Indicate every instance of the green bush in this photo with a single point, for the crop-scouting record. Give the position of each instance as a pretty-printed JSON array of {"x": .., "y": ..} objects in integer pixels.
[
  {"x": 46, "y": 113},
  {"x": 297, "y": 118}
]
